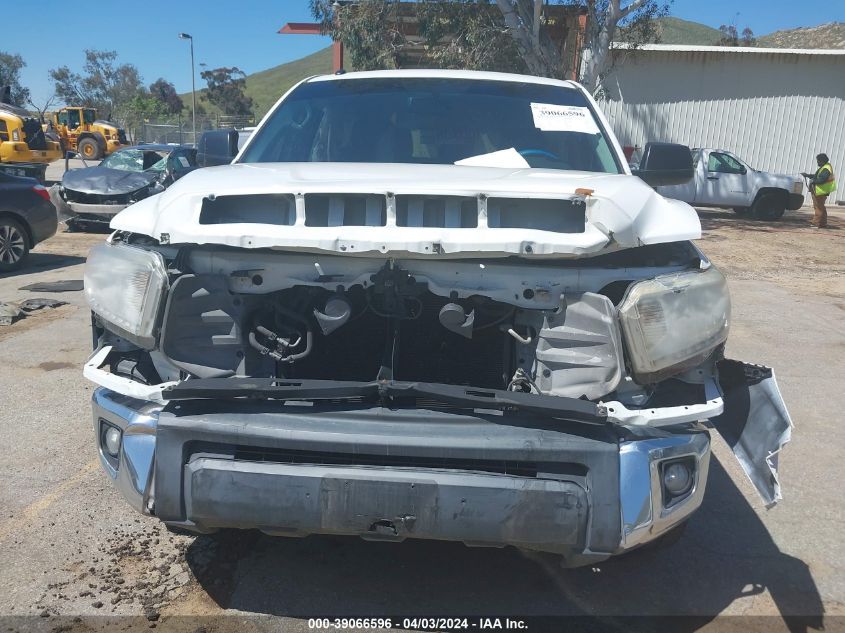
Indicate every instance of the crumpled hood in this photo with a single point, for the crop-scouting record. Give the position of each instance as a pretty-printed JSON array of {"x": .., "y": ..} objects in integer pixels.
[
  {"x": 104, "y": 181},
  {"x": 621, "y": 212}
]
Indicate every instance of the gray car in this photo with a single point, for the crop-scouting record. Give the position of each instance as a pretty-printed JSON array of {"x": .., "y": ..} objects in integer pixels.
[
  {"x": 27, "y": 217},
  {"x": 96, "y": 194}
]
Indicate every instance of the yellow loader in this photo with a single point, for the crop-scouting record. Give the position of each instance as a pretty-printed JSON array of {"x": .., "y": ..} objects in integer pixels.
[
  {"x": 22, "y": 141},
  {"x": 81, "y": 131}
]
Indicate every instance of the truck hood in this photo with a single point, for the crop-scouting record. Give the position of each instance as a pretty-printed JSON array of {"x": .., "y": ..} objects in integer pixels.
[
  {"x": 780, "y": 181},
  {"x": 605, "y": 211}
]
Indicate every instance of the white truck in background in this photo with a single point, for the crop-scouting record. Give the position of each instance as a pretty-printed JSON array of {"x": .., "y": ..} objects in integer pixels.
[{"x": 724, "y": 180}]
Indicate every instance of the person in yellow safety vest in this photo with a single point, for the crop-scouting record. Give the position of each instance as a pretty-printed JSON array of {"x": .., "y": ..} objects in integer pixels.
[{"x": 822, "y": 184}]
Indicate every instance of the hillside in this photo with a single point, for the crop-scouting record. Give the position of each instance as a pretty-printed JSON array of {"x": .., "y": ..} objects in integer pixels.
[
  {"x": 678, "y": 31},
  {"x": 831, "y": 35},
  {"x": 265, "y": 87}
]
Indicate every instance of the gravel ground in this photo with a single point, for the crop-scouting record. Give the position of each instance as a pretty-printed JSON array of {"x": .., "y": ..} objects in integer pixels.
[{"x": 73, "y": 555}]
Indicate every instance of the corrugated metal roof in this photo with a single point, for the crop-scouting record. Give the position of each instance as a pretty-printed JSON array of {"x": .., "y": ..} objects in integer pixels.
[{"x": 733, "y": 49}]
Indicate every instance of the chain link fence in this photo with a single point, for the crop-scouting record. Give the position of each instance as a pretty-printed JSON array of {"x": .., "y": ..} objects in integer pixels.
[{"x": 180, "y": 129}]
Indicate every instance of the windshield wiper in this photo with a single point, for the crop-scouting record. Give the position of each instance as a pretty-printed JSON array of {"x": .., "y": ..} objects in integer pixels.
[{"x": 387, "y": 392}]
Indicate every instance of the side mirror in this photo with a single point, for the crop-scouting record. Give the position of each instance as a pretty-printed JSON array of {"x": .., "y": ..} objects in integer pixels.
[
  {"x": 665, "y": 164},
  {"x": 217, "y": 147}
]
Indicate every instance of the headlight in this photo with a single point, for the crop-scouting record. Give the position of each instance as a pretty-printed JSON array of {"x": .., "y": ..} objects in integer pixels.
[
  {"x": 673, "y": 322},
  {"x": 125, "y": 287},
  {"x": 677, "y": 476}
]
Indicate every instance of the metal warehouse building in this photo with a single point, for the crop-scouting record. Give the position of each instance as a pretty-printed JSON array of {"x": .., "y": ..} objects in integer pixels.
[{"x": 775, "y": 108}]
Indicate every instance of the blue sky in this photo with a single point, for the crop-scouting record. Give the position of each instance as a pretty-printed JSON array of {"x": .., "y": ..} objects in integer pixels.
[{"x": 244, "y": 34}]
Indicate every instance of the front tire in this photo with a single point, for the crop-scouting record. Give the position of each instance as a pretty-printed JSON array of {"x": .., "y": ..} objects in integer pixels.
[
  {"x": 769, "y": 206},
  {"x": 89, "y": 148},
  {"x": 14, "y": 245}
]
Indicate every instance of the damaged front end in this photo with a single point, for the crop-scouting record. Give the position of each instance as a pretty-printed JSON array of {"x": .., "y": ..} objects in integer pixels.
[
  {"x": 580, "y": 386},
  {"x": 423, "y": 304}
]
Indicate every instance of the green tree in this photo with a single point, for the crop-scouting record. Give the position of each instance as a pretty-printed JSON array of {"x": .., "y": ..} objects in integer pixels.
[
  {"x": 147, "y": 106},
  {"x": 608, "y": 22},
  {"x": 226, "y": 90},
  {"x": 731, "y": 37},
  {"x": 140, "y": 108},
  {"x": 748, "y": 38},
  {"x": 165, "y": 92},
  {"x": 504, "y": 35},
  {"x": 10, "y": 75},
  {"x": 104, "y": 84}
]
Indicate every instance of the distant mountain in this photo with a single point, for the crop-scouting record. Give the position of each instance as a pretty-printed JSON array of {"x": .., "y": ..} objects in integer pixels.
[
  {"x": 678, "y": 31},
  {"x": 830, "y": 35},
  {"x": 265, "y": 87}
]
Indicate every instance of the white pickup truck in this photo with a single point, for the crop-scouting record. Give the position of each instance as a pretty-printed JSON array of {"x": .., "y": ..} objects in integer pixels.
[
  {"x": 423, "y": 304},
  {"x": 723, "y": 180}
]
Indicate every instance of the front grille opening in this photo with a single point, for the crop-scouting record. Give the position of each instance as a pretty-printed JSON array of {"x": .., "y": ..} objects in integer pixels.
[
  {"x": 557, "y": 216},
  {"x": 450, "y": 212},
  {"x": 345, "y": 210},
  {"x": 270, "y": 208},
  {"x": 97, "y": 198},
  {"x": 501, "y": 467}
]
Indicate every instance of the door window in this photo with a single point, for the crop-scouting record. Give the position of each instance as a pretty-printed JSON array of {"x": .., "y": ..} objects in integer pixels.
[
  {"x": 4, "y": 131},
  {"x": 180, "y": 160},
  {"x": 724, "y": 164}
]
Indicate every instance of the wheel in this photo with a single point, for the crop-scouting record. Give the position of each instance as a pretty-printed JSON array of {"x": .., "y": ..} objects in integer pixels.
[
  {"x": 14, "y": 244},
  {"x": 769, "y": 206},
  {"x": 89, "y": 148}
]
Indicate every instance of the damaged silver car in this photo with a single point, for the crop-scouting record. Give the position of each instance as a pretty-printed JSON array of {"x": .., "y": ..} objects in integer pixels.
[
  {"x": 94, "y": 195},
  {"x": 423, "y": 304}
]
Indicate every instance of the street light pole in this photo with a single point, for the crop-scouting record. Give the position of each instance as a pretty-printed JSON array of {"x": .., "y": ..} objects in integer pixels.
[{"x": 185, "y": 36}]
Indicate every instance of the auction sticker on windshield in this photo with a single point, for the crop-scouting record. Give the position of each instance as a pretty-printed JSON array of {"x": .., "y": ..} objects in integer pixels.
[{"x": 561, "y": 118}]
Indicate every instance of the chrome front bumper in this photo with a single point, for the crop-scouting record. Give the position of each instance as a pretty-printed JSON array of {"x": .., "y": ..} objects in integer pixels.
[
  {"x": 137, "y": 421},
  {"x": 555, "y": 513},
  {"x": 645, "y": 517}
]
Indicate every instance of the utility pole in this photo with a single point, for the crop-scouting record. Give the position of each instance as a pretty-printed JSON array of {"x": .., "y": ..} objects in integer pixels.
[{"x": 185, "y": 36}]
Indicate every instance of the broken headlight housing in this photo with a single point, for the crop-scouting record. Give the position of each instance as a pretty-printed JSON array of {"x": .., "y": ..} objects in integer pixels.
[
  {"x": 674, "y": 322},
  {"x": 124, "y": 286}
]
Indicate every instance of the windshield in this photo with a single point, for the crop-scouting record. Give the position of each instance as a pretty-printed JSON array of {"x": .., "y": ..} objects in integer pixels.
[
  {"x": 433, "y": 121},
  {"x": 73, "y": 118},
  {"x": 136, "y": 160}
]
